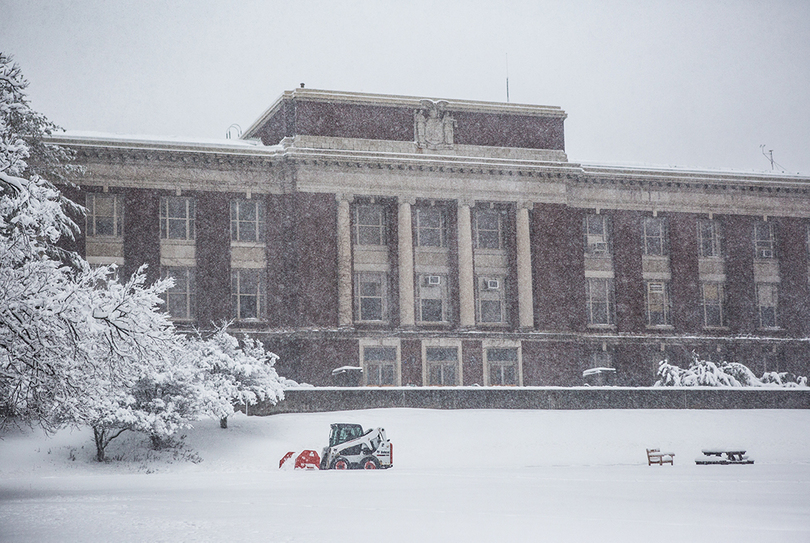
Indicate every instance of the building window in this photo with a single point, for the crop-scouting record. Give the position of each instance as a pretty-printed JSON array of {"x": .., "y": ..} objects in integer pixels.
[
  {"x": 767, "y": 303},
  {"x": 601, "y": 307},
  {"x": 369, "y": 224},
  {"x": 764, "y": 240},
  {"x": 655, "y": 236},
  {"x": 503, "y": 366},
  {"x": 379, "y": 365},
  {"x": 370, "y": 297},
  {"x": 491, "y": 300},
  {"x": 247, "y": 220},
  {"x": 176, "y": 218},
  {"x": 709, "y": 238},
  {"x": 247, "y": 293},
  {"x": 432, "y": 301},
  {"x": 431, "y": 227},
  {"x": 596, "y": 236},
  {"x": 488, "y": 228},
  {"x": 713, "y": 299},
  {"x": 180, "y": 299},
  {"x": 105, "y": 215},
  {"x": 442, "y": 365},
  {"x": 658, "y": 303}
]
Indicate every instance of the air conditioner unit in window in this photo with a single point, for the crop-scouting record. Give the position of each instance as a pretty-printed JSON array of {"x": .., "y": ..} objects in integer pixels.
[
  {"x": 599, "y": 247},
  {"x": 765, "y": 253},
  {"x": 433, "y": 280},
  {"x": 656, "y": 287},
  {"x": 492, "y": 284}
]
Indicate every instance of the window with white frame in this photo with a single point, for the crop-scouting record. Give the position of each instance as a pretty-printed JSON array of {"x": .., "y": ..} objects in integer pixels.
[
  {"x": 710, "y": 236},
  {"x": 247, "y": 293},
  {"x": 105, "y": 215},
  {"x": 767, "y": 304},
  {"x": 596, "y": 235},
  {"x": 432, "y": 302},
  {"x": 442, "y": 366},
  {"x": 371, "y": 289},
  {"x": 177, "y": 218},
  {"x": 503, "y": 366},
  {"x": 431, "y": 226},
  {"x": 491, "y": 300},
  {"x": 379, "y": 365},
  {"x": 713, "y": 304},
  {"x": 764, "y": 240},
  {"x": 369, "y": 224},
  {"x": 247, "y": 220},
  {"x": 488, "y": 228},
  {"x": 600, "y": 300},
  {"x": 658, "y": 303},
  {"x": 655, "y": 236},
  {"x": 180, "y": 299}
]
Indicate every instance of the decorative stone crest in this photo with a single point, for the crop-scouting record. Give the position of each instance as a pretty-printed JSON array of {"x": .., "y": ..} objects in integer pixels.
[{"x": 433, "y": 126}]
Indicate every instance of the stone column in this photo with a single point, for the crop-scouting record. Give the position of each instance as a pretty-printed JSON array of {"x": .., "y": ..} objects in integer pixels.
[
  {"x": 466, "y": 286},
  {"x": 405, "y": 250},
  {"x": 344, "y": 264},
  {"x": 524, "y": 268}
]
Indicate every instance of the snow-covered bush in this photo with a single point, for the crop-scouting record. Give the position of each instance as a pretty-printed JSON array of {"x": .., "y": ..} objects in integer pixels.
[{"x": 725, "y": 374}]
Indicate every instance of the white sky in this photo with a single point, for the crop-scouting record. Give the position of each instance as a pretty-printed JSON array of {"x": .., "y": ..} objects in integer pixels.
[{"x": 686, "y": 83}]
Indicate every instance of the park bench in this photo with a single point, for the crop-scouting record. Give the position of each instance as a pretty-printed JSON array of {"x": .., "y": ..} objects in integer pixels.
[
  {"x": 723, "y": 457},
  {"x": 655, "y": 456}
]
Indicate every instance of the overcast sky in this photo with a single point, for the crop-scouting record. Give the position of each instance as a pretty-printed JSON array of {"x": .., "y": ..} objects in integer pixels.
[{"x": 682, "y": 83}]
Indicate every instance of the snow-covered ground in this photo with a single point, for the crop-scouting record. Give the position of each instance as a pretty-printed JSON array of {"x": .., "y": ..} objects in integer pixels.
[{"x": 472, "y": 475}]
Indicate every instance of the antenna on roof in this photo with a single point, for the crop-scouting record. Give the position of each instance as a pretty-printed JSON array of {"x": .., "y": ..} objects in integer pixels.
[
  {"x": 507, "y": 77},
  {"x": 236, "y": 127},
  {"x": 769, "y": 156}
]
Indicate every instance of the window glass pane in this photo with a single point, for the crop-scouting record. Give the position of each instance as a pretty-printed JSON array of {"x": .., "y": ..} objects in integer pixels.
[
  {"x": 432, "y": 310},
  {"x": 502, "y": 355},
  {"x": 430, "y": 218},
  {"x": 367, "y": 235},
  {"x": 248, "y": 307},
  {"x": 429, "y": 238},
  {"x": 439, "y": 354},
  {"x": 377, "y": 354},
  {"x": 490, "y": 311},
  {"x": 247, "y": 211},
  {"x": 177, "y": 208},
  {"x": 104, "y": 206},
  {"x": 105, "y": 226},
  {"x": 371, "y": 309}
]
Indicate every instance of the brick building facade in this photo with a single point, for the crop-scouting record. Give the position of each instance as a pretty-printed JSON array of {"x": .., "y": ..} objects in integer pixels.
[{"x": 452, "y": 243}]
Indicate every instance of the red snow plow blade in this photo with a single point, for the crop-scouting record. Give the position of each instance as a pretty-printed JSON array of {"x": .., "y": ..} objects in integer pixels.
[{"x": 308, "y": 459}]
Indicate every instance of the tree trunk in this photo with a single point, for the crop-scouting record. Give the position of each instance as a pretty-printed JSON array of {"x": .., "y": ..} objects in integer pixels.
[
  {"x": 103, "y": 436},
  {"x": 223, "y": 422}
]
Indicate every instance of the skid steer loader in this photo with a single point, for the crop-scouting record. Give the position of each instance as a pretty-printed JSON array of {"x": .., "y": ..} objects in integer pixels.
[{"x": 349, "y": 448}]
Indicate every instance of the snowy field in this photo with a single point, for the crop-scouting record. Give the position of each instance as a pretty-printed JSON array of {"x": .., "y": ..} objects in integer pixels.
[{"x": 467, "y": 476}]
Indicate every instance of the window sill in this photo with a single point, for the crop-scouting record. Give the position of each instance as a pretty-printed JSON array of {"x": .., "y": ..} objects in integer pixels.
[
  {"x": 251, "y": 244},
  {"x": 601, "y": 326},
  {"x": 177, "y": 241},
  {"x": 660, "y": 327}
]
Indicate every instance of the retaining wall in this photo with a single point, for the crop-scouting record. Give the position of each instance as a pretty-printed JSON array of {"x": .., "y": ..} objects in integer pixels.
[{"x": 309, "y": 400}]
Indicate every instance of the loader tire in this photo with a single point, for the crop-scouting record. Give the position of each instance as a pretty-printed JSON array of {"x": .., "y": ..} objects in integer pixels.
[
  {"x": 370, "y": 462},
  {"x": 341, "y": 463}
]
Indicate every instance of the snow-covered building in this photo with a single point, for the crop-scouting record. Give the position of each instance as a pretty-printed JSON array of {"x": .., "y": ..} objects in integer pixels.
[{"x": 451, "y": 242}]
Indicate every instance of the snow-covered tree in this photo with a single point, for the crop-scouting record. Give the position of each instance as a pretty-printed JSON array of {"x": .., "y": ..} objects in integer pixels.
[
  {"x": 235, "y": 374},
  {"x": 78, "y": 346}
]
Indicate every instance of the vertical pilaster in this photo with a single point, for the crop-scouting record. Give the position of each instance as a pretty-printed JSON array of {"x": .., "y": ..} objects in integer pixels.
[
  {"x": 344, "y": 250},
  {"x": 524, "y": 268},
  {"x": 405, "y": 250},
  {"x": 466, "y": 285}
]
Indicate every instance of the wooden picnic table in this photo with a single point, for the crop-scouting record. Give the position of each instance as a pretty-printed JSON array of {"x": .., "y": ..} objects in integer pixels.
[{"x": 723, "y": 457}]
